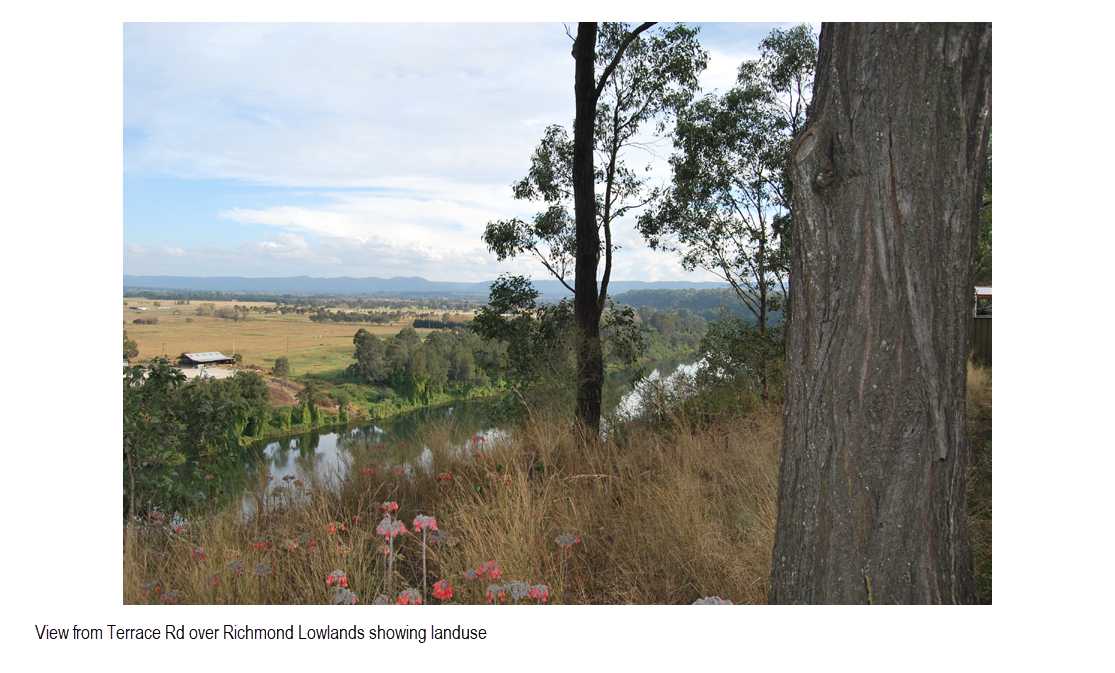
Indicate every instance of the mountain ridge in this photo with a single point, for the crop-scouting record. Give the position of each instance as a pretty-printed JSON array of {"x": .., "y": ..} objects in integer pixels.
[{"x": 373, "y": 285}]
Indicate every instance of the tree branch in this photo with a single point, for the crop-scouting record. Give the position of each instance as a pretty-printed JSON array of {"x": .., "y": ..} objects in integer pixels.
[{"x": 619, "y": 54}]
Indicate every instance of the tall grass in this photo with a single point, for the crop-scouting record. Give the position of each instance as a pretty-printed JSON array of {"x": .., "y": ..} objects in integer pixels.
[
  {"x": 979, "y": 476},
  {"x": 663, "y": 517},
  {"x": 666, "y": 513}
]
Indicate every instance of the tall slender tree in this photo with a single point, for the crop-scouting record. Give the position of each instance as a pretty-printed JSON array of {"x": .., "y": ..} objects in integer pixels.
[
  {"x": 728, "y": 209},
  {"x": 889, "y": 175},
  {"x": 646, "y": 76}
]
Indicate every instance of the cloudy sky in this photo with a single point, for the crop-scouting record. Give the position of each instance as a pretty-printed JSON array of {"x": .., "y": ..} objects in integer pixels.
[{"x": 354, "y": 149}]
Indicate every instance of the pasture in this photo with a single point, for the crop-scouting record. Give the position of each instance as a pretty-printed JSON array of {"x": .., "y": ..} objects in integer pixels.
[{"x": 311, "y": 347}]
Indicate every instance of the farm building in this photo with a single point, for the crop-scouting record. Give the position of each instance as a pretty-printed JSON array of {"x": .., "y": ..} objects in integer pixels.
[{"x": 197, "y": 359}]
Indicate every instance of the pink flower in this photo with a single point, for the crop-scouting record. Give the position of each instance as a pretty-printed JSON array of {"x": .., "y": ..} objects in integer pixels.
[
  {"x": 428, "y": 522},
  {"x": 337, "y": 577}
]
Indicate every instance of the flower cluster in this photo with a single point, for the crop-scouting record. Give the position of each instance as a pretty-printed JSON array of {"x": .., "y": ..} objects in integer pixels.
[
  {"x": 337, "y": 577},
  {"x": 390, "y": 528},
  {"x": 171, "y": 597},
  {"x": 442, "y": 539},
  {"x": 289, "y": 545},
  {"x": 358, "y": 518},
  {"x": 442, "y": 590},
  {"x": 539, "y": 591},
  {"x": 198, "y": 555},
  {"x": 381, "y": 447},
  {"x": 399, "y": 469},
  {"x": 344, "y": 597},
  {"x": 263, "y": 569},
  {"x": 236, "y": 566},
  {"x": 299, "y": 483},
  {"x": 471, "y": 575},
  {"x": 518, "y": 590},
  {"x": 343, "y": 549},
  {"x": 289, "y": 478},
  {"x": 386, "y": 506},
  {"x": 152, "y": 588},
  {"x": 491, "y": 569},
  {"x": 214, "y": 579},
  {"x": 422, "y": 521},
  {"x": 444, "y": 477},
  {"x": 410, "y": 597},
  {"x": 333, "y": 527},
  {"x": 258, "y": 543},
  {"x": 306, "y": 540},
  {"x": 369, "y": 469},
  {"x": 381, "y": 600},
  {"x": 712, "y": 600},
  {"x": 505, "y": 480},
  {"x": 495, "y": 591},
  {"x": 567, "y": 540}
]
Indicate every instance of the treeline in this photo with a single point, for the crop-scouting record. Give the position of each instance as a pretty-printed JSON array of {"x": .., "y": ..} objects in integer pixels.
[
  {"x": 179, "y": 296},
  {"x": 381, "y": 318},
  {"x": 417, "y": 369},
  {"x": 444, "y": 322},
  {"x": 681, "y": 327},
  {"x": 703, "y": 303}
]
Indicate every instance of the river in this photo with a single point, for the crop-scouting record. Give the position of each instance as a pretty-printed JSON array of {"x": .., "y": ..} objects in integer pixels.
[{"x": 325, "y": 454}]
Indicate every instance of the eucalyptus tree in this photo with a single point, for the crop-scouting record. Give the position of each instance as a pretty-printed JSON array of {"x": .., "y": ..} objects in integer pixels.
[
  {"x": 890, "y": 172},
  {"x": 646, "y": 77},
  {"x": 728, "y": 208}
]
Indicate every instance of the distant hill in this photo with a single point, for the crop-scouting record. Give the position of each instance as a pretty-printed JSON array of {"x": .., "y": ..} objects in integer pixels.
[
  {"x": 703, "y": 302},
  {"x": 548, "y": 288}
]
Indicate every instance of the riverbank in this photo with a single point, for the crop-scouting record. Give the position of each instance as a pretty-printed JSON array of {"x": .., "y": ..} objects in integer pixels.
[{"x": 285, "y": 408}]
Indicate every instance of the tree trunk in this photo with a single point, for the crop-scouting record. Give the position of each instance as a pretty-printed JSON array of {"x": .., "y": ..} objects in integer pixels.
[
  {"x": 586, "y": 300},
  {"x": 888, "y": 178}
]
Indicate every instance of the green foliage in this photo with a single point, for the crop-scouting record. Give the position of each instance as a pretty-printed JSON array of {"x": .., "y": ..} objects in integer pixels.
[
  {"x": 282, "y": 367},
  {"x": 131, "y": 350},
  {"x": 656, "y": 76},
  {"x": 369, "y": 354},
  {"x": 174, "y": 435},
  {"x": 736, "y": 353},
  {"x": 534, "y": 345},
  {"x": 728, "y": 210},
  {"x": 237, "y": 357}
]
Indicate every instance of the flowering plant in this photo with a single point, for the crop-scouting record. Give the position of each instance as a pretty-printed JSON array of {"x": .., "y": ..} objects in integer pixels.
[
  {"x": 442, "y": 590},
  {"x": 344, "y": 597}
]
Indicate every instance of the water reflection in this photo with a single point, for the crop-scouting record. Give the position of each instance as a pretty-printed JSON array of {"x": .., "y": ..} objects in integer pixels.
[{"x": 405, "y": 439}]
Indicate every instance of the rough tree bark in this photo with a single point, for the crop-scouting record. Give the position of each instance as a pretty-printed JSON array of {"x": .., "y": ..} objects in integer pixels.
[
  {"x": 586, "y": 300},
  {"x": 889, "y": 174}
]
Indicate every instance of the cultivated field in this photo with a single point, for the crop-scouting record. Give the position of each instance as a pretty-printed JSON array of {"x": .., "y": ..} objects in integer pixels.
[{"x": 311, "y": 347}]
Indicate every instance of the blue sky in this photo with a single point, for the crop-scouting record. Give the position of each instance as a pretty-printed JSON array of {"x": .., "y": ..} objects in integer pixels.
[{"x": 353, "y": 149}]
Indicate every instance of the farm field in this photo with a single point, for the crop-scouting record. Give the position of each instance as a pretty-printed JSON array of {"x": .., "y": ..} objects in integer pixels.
[{"x": 311, "y": 347}]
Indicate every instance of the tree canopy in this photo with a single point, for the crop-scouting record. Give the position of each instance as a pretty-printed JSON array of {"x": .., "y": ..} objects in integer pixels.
[{"x": 647, "y": 76}]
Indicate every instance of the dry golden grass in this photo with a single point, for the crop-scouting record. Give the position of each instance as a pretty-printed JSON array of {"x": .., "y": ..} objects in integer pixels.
[
  {"x": 260, "y": 339},
  {"x": 660, "y": 519}
]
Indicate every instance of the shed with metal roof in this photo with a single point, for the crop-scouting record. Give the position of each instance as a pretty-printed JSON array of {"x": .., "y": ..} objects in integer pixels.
[{"x": 209, "y": 358}]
